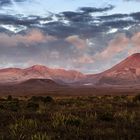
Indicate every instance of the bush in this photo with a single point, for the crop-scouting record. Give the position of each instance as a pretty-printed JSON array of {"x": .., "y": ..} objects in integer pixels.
[
  {"x": 40, "y": 136},
  {"x": 22, "y": 129},
  {"x": 105, "y": 116},
  {"x": 36, "y": 99},
  {"x": 68, "y": 120},
  {"x": 32, "y": 106},
  {"x": 9, "y": 98},
  {"x": 125, "y": 117},
  {"x": 73, "y": 120},
  {"x": 48, "y": 99},
  {"x": 13, "y": 105},
  {"x": 41, "y": 99},
  {"x": 136, "y": 98},
  {"x": 2, "y": 107}
]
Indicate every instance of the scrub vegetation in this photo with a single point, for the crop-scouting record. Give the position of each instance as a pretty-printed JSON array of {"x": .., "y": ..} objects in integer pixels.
[{"x": 67, "y": 118}]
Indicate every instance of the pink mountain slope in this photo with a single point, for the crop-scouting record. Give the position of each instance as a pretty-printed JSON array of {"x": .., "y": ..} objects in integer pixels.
[
  {"x": 15, "y": 75},
  {"x": 126, "y": 72}
]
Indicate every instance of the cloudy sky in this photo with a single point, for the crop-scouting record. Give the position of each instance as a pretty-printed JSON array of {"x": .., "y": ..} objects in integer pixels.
[{"x": 86, "y": 35}]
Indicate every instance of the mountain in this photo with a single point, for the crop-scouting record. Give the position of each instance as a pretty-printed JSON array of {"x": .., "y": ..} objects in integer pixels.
[
  {"x": 39, "y": 82},
  {"x": 126, "y": 72},
  {"x": 16, "y": 75}
]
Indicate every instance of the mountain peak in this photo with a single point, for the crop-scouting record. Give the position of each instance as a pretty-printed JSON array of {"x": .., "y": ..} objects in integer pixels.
[
  {"x": 135, "y": 56},
  {"x": 38, "y": 67}
]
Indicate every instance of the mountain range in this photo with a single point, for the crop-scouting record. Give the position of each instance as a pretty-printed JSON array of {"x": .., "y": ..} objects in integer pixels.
[{"x": 126, "y": 72}]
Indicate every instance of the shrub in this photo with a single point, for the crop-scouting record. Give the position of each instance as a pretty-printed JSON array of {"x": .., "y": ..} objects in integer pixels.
[
  {"x": 48, "y": 99},
  {"x": 32, "y": 106},
  {"x": 2, "y": 107},
  {"x": 105, "y": 116},
  {"x": 69, "y": 120},
  {"x": 13, "y": 105},
  {"x": 72, "y": 120},
  {"x": 117, "y": 98},
  {"x": 41, "y": 99},
  {"x": 125, "y": 116},
  {"x": 36, "y": 98},
  {"x": 9, "y": 98},
  {"x": 136, "y": 98},
  {"x": 22, "y": 129},
  {"x": 40, "y": 136}
]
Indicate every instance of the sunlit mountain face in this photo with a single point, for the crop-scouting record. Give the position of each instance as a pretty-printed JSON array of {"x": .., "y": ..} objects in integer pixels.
[{"x": 84, "y": 35}]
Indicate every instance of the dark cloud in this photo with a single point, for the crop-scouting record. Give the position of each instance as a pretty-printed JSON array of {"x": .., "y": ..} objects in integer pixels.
[
  {"x": 72, "y": 23},
  {"x": 76, "y": 16},
  {"x": 94, "y": 9},
  {"x": 7, "y": 2},
  {"x": 114, "y": 16},
  {"x": 119, "y": 23},
  {"x": 136, "y": 16},
  {"x": 17, "y": 20}
]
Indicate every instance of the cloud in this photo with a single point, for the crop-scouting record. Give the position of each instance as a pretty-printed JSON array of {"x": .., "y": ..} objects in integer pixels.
[
  {"x": 94, "y": 9},
  {"x": 113, "y": 16},
  {"x": 7, "y": 2},
  {"x": 31, "y": 37},
  {"x": 77, "y": 42},
  {"x": 19, "y": 20},
  {"x": 85, "y": 59},
  {"x": 136, "y": 40},
  {"x": 115, "y": 46},
  {"x": 136, "y": 16},
  {"x": 135, "y": 43},
  {"x": 68, "y": 23},
  {"x": 119, "y": 23},
  {"x": 121, "y": 43}
]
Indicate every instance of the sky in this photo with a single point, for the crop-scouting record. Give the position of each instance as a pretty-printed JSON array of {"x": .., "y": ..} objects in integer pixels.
[{"x": 84, "y": 35}]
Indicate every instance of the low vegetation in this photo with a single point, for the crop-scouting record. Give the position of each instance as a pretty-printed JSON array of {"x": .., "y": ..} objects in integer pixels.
[{"x": 66, "y": 118}]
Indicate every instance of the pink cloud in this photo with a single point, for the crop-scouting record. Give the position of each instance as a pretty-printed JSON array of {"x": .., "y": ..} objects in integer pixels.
[
  {"x": 85, "y": 59},
  {"x": 117, "y": 45},
  {"x": 31, "y": 37},
  {"x": 77, "y": 42}
]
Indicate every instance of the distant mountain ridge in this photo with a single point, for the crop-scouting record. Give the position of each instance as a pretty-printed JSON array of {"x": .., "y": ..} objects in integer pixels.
[
  {"x": 127, "y": 72},
  {"x": 17, "y": 75}
]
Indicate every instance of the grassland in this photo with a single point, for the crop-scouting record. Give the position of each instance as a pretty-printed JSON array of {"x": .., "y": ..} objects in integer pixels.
[{"x": 70, "y": 118}]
